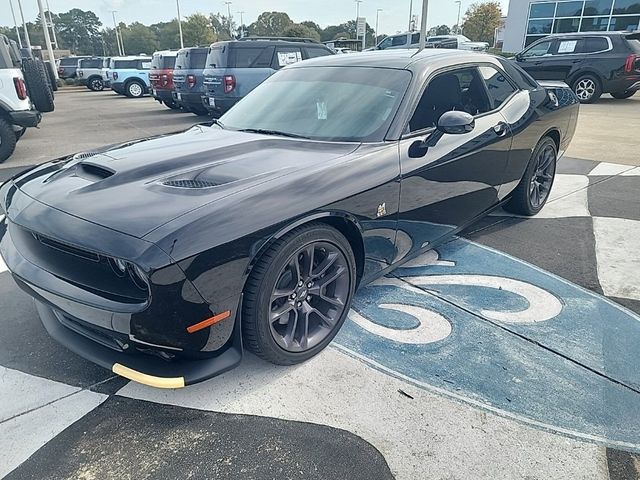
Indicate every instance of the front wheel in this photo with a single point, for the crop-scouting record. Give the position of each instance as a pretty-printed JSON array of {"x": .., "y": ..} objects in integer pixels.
[
  {"x": 622, "y": 95},
  {"x": 7, "y": 140},
  {"x": 299, "y": 294},
  {"x": 587, "y": 88},
  {"x": 534, "y": 189},
  {"x": 134, "y": 90}
]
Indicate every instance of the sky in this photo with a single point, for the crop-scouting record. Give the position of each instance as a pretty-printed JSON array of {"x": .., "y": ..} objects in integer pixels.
[{"x": 394, "y": 16}]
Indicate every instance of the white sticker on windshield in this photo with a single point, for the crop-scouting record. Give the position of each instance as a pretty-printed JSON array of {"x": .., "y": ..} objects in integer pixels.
[
  {"x": 287, "y": 58},
  {"x": 322, "y": 110},
  {"x": 568, "y": 46}
]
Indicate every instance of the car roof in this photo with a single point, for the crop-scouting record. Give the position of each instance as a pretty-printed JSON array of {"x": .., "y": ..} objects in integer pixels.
[
  {"x": 591, "y": 34},
  {"x": 406, "y": 59},
  {"x": 249, "y": 43}
]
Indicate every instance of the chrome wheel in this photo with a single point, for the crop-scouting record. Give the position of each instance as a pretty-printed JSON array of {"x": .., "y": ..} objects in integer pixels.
[
  {"x": 97, "y": 85},
  {"x": 542, "y": 178},
  {"x": 309, "y": 296},
  {"x": 585, "y": 88}
]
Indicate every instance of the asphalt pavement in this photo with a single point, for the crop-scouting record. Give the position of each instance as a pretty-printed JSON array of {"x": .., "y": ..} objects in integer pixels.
[{"x": 519, "y": 361}]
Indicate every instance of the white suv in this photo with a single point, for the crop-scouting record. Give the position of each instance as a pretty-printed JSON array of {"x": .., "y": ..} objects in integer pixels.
[{"x": 16, "y": 111}]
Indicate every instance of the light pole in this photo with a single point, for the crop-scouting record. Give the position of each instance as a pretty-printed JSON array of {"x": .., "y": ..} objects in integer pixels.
[
  {"x": 410, "y": 15},
  {"x": 47, "y": 39},
  {"x": 115, "y": 29},
  {"x": 53, "y": 28},
  {"x": 358, "y": 2},
  {"x": 241, "y": 23},
  {"x": 228, "y": 4},
  {"x": 423, "y": 24},
  {"x": 375, "y": 42},
  {"x": 13, "y": 14},
  {"x": 180, "y": 24},
  {"x": 24, "y": 25},
  {"x": 459, "y": 2}
]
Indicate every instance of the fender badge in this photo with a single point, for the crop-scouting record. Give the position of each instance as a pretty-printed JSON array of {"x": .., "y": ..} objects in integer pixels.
[{"x": 382, "y": 210}]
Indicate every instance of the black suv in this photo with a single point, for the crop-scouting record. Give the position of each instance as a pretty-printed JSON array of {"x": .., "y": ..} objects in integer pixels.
[
  {"x": 591, "y": 63},
  {"x": 234, "y": 68}
]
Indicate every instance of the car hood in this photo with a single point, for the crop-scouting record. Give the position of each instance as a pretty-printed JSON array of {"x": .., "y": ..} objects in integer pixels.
[{"x": 136, "y": 187}]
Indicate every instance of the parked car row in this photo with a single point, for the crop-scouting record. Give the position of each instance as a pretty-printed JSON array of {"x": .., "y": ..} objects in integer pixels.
[{"x": 27, "y": 86}]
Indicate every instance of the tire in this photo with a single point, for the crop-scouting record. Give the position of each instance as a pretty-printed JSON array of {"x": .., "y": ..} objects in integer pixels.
[
  {"x": 587, "y": 88},
  {"x": 95, "y": 84},
  {"x": 7, "y": 140},
  {"x": 134, "y": 89},
  {"x": 39, "y": 91},
  {"x": 265, "y": 329},
  {"x": 622, "y": 95},
  {"x": 52, "y": 75},
  {"x": 522, "y": 201},
  {"x": 44, "y": 74}
]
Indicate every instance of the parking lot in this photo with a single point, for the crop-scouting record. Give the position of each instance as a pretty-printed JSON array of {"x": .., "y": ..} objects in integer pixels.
[{"x": 527, "y": 362}]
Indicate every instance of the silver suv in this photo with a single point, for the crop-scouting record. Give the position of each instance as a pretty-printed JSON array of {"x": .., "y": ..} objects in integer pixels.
[{"x": 90, "y": 73}]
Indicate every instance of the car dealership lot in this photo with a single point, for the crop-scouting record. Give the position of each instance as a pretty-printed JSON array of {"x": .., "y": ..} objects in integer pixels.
[{"x": 513, "y": 371}]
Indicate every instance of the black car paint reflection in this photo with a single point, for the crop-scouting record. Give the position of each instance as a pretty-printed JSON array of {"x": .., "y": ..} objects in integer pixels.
[{"x": 197, "y": 247}]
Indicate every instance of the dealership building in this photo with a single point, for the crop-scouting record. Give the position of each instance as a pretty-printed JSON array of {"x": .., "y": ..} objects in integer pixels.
[{"x": 529, "y": 20}]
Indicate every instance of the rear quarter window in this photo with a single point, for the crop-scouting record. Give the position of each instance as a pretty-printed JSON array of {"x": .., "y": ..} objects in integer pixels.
[
  {"x": 594, "y": 44},
  {"x": 317, "y": 52},
  {"x": 251, "y": 57},
  {"x": 121, "y": 64},
  {"x": 522, "y": 79},
  {"x": 90, "y": 63},
  {"x": 68, "y": 62}
]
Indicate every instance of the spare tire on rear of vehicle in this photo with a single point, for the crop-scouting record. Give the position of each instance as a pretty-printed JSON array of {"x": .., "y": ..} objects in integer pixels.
[
  {"x": 43, "y": 72},
  {"x": 51, "y": 72},
  {"x": 36, "y": 79}
]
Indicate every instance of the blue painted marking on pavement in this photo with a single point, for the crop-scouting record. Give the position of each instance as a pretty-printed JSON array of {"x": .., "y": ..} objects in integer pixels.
[{"x": 507, "y": 342}]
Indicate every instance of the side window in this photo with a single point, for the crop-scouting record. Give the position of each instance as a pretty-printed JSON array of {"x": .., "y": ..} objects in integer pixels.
[
  {"x": 245, "y": 57},
  {"x": 386, "y": 43},
  {"x": 461, "y": 89},
  {"x": 522, "y": 78},
  {"x": 539, "y": 50},
  {"x": 286, "y": 56},
  {"x": 594, "y": 44},
  {"x": 398, "y": 41},
  {"x": 497, "y": 84},
  {"x": 415, "y": 38},
  {"x": 144, "y": 64},
  {"x": 316, "y": 52},
  {"x": 566, "y": 47}
]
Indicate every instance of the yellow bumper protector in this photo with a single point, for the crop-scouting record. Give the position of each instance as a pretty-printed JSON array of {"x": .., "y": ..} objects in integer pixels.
[{"x": 152, "y": 381}]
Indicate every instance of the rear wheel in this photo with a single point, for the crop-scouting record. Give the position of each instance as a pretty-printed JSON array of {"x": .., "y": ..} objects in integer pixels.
[
  {"x": 534, "y": 189},
  {"x": 134, "y": 89},
  {"x": 298, "y": 295},
  {"x": 587, "y": 88},
  {"x": 95, "y": 84},
  {"x": 622, "y": 95},
  {"x": 7, "y": 140},
  {"x": 172, "y": 105}
]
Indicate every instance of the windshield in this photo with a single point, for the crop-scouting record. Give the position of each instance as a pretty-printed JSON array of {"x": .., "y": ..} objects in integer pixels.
[
  {"x": 191, "y": 59},
  {"x": 324, "y": 103}
]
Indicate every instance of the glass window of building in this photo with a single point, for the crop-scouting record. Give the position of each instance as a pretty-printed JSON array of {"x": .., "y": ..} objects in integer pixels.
[
  {"x": 626, "y": 7},
  {"x": 539, "y": 26},
  {"x": 595, "y": 24},
  {"x": 566, "y": 25},
  {"x": 543, "y": 10},
  {"x": 597, "y": 7},
  {"x": 569, "y": 9}
]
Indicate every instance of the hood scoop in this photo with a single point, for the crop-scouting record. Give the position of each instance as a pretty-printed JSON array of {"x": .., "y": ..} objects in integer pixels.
[
  {"x": 188, "y": 183},
  {"x": 93, "y": 172}
]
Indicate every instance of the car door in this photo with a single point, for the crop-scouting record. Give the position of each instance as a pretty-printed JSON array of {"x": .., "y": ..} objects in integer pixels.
[
  {"x": 460, "y": 177},
  {"x": 536, "y": 60}
]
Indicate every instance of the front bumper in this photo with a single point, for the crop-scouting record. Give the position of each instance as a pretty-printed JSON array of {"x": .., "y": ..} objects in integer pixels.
[
  {"x": 26, "y": 118},
  {"x": 145, "y": 339}
]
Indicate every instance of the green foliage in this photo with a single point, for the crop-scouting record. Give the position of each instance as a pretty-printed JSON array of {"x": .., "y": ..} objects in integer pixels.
[
  {"x": 300, "y": 31},
  {"x": 222, "y": 27},
  {"x": 139, "y": 38},
  {"x": 79, "y": 31},
  {"x": 197, "y": 30},
  {"x": 481, "y": 21},
  {"x": 345, "y": 30},
  {"x": 167, "y": 34},
  {"x": 270, "y": 24},
  {"x": 443, "y": 30}
]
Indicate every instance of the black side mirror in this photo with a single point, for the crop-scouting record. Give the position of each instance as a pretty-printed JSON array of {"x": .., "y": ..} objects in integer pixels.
[
  {"x": 519, "y": 57},
  {"x": 455, "y": 122}
]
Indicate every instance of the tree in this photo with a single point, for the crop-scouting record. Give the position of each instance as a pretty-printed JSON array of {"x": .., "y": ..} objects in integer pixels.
[
  {"x": 313, "y": 26},
  {"x": 346, "y": 30},
  {"x": 222, "y": 26},
  {"x": 300, "y": 31},
  {"x": 139, "y": 38},
  {"x": 270, "y": 24},
  {"x": 197, "y": 30},
  {"x": 481, "y": 21},
  {"x": 79, "y": 31},
  {"x": 443, "y": 30},
  {"x": 167, "y": 34}
]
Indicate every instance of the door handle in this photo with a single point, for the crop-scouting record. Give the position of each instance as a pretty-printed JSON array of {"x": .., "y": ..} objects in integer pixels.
[{"x": 500, "y": 129}]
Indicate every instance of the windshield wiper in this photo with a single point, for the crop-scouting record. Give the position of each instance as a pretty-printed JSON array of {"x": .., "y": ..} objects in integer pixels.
[{"x": 272, "y": 132}]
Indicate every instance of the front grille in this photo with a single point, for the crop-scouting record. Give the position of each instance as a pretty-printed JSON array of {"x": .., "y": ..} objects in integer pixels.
[
  {"x": 66, "y": 248},
  {"x": 190, "y": 183}
]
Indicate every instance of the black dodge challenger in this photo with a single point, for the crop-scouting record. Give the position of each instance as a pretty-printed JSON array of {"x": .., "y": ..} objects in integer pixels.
[{"x": 161, "y": 258}]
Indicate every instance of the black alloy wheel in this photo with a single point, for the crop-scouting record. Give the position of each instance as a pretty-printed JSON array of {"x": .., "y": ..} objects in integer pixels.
[
  {"x": 299, "y": 294},
  {"x": 534, "y": 188},
  {"x": 96, "y": 84}
]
